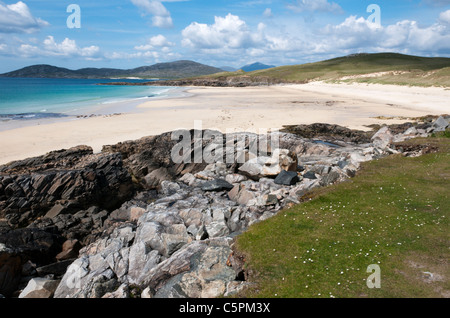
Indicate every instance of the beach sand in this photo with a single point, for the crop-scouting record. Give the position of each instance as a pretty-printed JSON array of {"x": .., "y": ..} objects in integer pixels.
[{"x": 238, "y": 109}]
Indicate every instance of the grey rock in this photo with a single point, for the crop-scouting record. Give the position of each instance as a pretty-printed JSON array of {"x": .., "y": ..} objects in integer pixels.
[
  {"x": 440, "y": 124},
  {"x": 287, "y": 178},
  {"x": 310, "y": 175},
  {"x": 217, "y": 185}
]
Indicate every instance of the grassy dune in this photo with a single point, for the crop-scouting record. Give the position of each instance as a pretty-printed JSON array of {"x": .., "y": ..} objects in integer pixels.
[
  {"x": 394, "y": 213},
  {"x": 383, "y": 68}
]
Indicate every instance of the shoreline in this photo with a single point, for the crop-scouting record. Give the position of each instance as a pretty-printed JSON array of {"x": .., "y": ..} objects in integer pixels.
[{"x": 353, "y": 106}]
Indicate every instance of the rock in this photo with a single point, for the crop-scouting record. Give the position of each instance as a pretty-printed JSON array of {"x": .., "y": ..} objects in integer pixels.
[
  {"x": 40, "y": 288},
  {"x": 327, "y": 131},
  {"x": 55, "y": 211},
  {"x": 282, "y": 159},
  {"x": 70, "y": 250},
  {"x": 56, "y": 269},
  {"x": 169, "y": 188},
  {"x": 235, "y": 178},
  {"x": 63, "y": 181},
  {"x": 154, "y": 178},
  {"x": 136, "y": 213},
  {"x": 330, "y": 178},
  {"x": 440, "y": 124},
  {"x": 217, "y": 185},
  {"x": 309, "y": 175},
  {"x": 217, "y": 229},
  {"x": 241, "y": 195},
  {"x": 10, "y": 270},
  {"x": 383, "y": 138},
  {"x": 287, "y": 178}
]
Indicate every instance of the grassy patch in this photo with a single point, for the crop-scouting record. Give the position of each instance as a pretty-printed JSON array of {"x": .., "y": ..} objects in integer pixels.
[{"x": 394, "y": 213}]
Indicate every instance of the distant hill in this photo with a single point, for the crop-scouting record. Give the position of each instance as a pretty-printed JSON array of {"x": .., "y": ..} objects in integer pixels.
[
  {"x": 228, "y": 68},
  {"x": 172, "y": 70},
  {"x": 382, "y": 68},
  {"x": 378, "y": 68},
  {"x": 256, "y": 67}
]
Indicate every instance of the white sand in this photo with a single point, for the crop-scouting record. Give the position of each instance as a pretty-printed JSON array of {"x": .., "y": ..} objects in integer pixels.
[{"x": 241, "y": 109}]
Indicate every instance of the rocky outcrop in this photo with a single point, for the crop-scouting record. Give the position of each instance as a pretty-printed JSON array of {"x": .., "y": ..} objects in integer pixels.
[
  {"x": 61, "y": 182},
  {"x": 173, "y": 237}
]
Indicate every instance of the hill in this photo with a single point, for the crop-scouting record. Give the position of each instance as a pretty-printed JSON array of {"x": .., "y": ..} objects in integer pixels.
[
  {"x": 256, "y": 67},
  {"x": 383, "y": 68},
  {"x": 172, "y": 70}
]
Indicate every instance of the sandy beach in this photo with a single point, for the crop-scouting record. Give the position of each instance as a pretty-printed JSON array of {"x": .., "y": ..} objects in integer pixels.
[{"x": 237, "y": 109}]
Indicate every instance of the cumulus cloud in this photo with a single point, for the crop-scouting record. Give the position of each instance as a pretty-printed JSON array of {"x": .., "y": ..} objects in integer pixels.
[
  {"x": 158, "y": 41},
  {"x": 315, "y": 5},
  {"x": 406, "y": 36},
  {"x": 232, "y": 39},
  {"x": 67, "y": 48},
  {"x": 444, "y": 17},
  {"x": 17, "y": 18},
  {"x": 228, "y": 32},
  {"x": 160, "y": 15}
]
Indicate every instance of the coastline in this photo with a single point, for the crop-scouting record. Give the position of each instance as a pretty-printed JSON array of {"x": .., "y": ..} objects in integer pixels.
[{"x": 240, "y": 109}]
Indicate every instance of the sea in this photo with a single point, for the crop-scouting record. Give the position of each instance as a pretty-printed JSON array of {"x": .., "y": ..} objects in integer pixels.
[{"x": 26, "y": 99}]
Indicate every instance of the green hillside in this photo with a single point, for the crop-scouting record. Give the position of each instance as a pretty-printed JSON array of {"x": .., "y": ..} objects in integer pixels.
[{"x": 399, "y": 69}]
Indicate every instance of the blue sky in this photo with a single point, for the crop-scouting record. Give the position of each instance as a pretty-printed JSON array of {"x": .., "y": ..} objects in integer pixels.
[{"x": 132, "y": 33}]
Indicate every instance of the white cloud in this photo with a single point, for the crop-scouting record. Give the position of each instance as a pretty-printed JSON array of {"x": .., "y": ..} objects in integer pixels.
[
  {"x": 161, "y": 16},
  {"x": 315, "y": 5},
  {"x": 406, "y": 36},
  {"x": 158, "y": 41},
  {"x": 17, "y": 18},
  {"x": 67, "y": 48},
  {"x": 444, "y": 17},
  {"x": 268, "y": 13},
  {"x": 228, "y": 32}
]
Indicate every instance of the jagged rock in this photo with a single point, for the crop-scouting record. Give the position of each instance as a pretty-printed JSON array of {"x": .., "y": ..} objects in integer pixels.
[
  {"x": 282, "y": 159},
  {"x": 40, "y": 288},
  {"x": 154, "y": 178},
  {"x": 383, "y": 138},
  {"x": 287, "y": 178},
  {"x": 330, "y": 132},
  {"x": 70, "y": 249},
  {"x": 10, "y": 270},
  {"x": 217, "y": 185},
  {"x": 241, "y": 195},
  {"x": 309, "y": 175},
  {"x": 64, "y": 181},
  {"x": 440, "y": 124}
]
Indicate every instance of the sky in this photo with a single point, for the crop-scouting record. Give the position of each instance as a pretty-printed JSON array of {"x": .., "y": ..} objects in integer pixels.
[{"x": 131, "y": 33}]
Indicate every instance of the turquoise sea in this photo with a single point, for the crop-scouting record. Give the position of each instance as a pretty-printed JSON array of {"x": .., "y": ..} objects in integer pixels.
[{"x": 36, "y": 98}]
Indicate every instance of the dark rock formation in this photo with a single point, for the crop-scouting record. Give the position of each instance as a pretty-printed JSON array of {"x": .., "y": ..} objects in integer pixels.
[{"x": 75, "y": 179}]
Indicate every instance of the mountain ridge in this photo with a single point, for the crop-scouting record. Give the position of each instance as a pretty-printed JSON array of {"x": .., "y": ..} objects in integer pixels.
[{"x": 170, "y": 70}]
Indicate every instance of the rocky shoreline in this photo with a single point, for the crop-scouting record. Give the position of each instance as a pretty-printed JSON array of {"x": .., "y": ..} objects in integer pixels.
[
  {"x": 221, "y": 81},
  {"x": 129, "y": 222}
]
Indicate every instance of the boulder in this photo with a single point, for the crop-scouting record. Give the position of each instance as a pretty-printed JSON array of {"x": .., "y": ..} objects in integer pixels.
[
  {"x": 440, "y": 124},
  {"x": 383, "y": 138},
  {"x": 217, "y": 185},
  {"x": 287, "y": 178},
  {"x": 309, "y": 175},
  {"x": 281, "y": 159},
  {"x": 40, "y": 288},
  {"x": 10, "y": 270}
]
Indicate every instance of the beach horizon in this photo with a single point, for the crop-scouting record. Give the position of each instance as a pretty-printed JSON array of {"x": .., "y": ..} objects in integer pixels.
[{"x": 246, "y": 109}]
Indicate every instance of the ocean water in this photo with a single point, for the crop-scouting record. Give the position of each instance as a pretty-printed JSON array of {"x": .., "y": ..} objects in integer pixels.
[{"x": 32, "y": 98}]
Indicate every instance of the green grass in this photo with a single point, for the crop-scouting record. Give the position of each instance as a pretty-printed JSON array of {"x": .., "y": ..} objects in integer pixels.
[
  {"x": 393, "y": 213},
  {"x": 420, "y": 71}
]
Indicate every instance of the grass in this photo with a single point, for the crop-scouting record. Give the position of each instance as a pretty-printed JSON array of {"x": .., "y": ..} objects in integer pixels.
[
  {"x": 408, "y": 70},
  {"x": 394, "y": 213}
]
